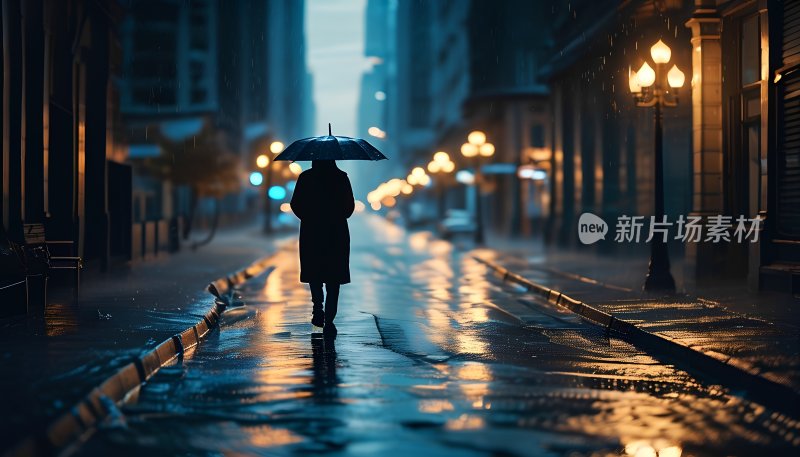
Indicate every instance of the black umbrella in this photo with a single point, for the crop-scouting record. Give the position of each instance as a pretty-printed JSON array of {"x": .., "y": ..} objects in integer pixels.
[{"x": 330, "y": 147}]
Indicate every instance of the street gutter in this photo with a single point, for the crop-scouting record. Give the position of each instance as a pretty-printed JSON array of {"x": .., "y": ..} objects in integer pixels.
[
  {"x": 65, "y": 434},
  {"x": 725, "y": 369}
]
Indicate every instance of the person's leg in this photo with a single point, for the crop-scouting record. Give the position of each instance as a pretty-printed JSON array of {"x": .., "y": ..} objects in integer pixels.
[
  {"x": 331, "y": 302},
  {"x": 317, "y": 297}
]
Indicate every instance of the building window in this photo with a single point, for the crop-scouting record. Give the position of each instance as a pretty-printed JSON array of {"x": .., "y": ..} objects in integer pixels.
[{"x": 537, "y": 136}]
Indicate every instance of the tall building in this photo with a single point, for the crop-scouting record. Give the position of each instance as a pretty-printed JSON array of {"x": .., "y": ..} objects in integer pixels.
[
  {"x": 237, "y": 66},
  {"x": 377, "y": 98},
  {"x": 61, "y": 143},
  {"x": 170, "y": 58},
  {"x": 289, "y": 89},
  {"x": 374, "y": 82},
  {"x": 448, "y": 67},
  {"x": 396, "y": 93},
  {"x": 729, "y": 145},
  {"x": 508, "y": 46}
]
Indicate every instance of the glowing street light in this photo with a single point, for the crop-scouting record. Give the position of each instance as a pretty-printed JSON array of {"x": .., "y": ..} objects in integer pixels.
[
  {"x": 276, "y": 147},
  {"x": 476, "y": 137},
  {"x": 469, "y": 150},
  {"x": 417, "y": 177},
  {"x": 263, "y": 160},
  {"x": 475, "y": 148},
  {"x": 376, "y": 132},
  {"x": 653, "y": 88},
  {"x": 441, "y": 165},
  {"x": 633, "y": 82},
  {"x": 486, "y": 150},
  {"x": 441, "y": 157},
  {"x": 646, "y": 76},
  {"x": 675, "y": 77},
  {"x": 660, "y": 52}
]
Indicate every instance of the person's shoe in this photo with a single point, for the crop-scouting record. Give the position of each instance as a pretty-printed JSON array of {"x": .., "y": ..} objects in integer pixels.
[
  {"x": 329, "y": 329},
  {"x": 318, "y": 319}
]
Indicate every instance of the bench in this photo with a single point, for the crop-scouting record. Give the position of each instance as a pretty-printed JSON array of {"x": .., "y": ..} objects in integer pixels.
[{"x": 39, "y": 247}]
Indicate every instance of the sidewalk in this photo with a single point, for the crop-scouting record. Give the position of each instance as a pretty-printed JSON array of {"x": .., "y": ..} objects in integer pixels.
[
  {"x": 50, "y": 362},
  {"x": 759, "y": 332}
]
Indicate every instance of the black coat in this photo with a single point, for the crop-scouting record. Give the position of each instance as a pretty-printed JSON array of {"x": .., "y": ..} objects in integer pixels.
[{"x": 323, "y": 200}]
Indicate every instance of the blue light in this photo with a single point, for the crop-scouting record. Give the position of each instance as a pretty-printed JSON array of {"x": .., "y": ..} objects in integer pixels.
[
  {"x": 277, "y": 193},
  {"x": 539, "y": 175},
  {"x": 465, "y": 177},
  {"x": 256, "y": 178}
]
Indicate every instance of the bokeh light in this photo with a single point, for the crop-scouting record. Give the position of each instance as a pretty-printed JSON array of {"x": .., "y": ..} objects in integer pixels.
[
  {"x": 256, "y": 178},
  {"x": 277, "y": 193}
]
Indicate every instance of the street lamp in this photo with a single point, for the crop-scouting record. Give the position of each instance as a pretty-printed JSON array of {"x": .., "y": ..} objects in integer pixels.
[
  {"x": 440, "y": 166},
  {"x": 474, "y": 150},
  {"x": 418, "y": 177},
  {"x": 658, "y": 88},
  {"x": 263, "y": 160}
]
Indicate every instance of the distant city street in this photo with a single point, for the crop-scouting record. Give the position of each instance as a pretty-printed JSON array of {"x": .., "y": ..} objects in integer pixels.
[{"x": 400, "y": 228}]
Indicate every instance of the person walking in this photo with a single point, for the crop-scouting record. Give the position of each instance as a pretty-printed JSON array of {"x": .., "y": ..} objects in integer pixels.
[{"x": 323, "y": 201}]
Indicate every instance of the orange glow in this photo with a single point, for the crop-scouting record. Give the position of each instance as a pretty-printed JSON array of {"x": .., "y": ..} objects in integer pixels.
[
  {"x": 441, "y": 157},
  {"x": 465, "y": 422},
  {"x": 389, "y": 202},
  {"x": 646, "y": 75},
  {"x": 276, "y": 147},
  {"x": 435, "y": 406},
  {"x": 476, "y": 137},
  {"x": 486, "y": 149},
  {"x": 469, "y": 150},
  {"x": 266, "y": 436},
  {"x": 660, "y": 52}
]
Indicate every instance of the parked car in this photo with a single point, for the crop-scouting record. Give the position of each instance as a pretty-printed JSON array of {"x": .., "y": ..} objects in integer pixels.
[{"x": 456, "y": 222}]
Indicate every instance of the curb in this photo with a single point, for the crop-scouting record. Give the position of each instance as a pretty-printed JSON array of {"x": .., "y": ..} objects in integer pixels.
[
  {"x": 71, "y": 428},
  {"x": 735, "y": 372}
]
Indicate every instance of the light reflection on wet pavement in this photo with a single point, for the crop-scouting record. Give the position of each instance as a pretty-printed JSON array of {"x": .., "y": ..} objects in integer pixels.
[{"x": 429, "y": 360}]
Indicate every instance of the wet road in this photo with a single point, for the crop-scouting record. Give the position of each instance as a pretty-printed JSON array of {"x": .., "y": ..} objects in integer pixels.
[{"x": 428, "y": 361}]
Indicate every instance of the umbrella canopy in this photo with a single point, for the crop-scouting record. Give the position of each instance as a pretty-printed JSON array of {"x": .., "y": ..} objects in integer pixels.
[{"x": 330, "y": 147}]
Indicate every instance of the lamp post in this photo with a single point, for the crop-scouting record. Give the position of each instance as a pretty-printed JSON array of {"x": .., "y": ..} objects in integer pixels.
[
  {"x": 658, "y": 89},
  {"x": 474, "y": 149},
  {"x": 276, "y": 147},
  {"x": 440, "y": 166}
]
